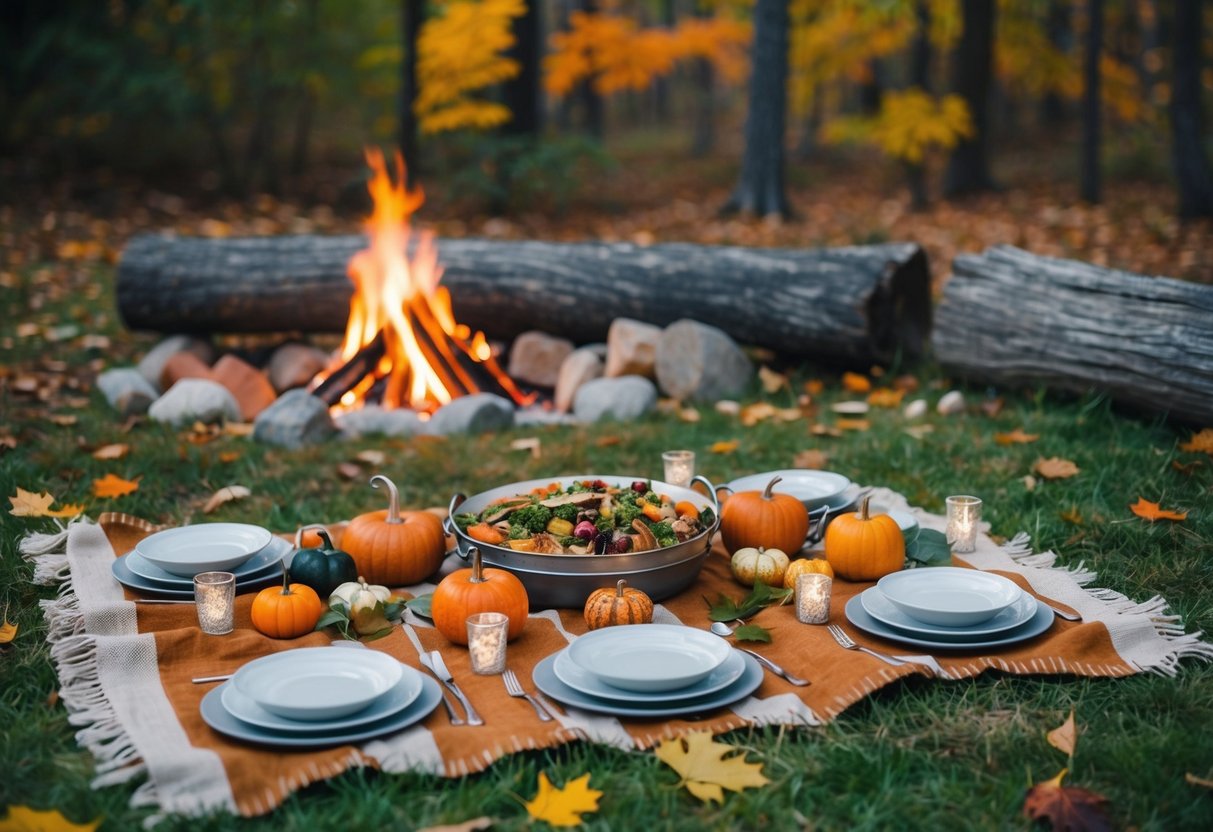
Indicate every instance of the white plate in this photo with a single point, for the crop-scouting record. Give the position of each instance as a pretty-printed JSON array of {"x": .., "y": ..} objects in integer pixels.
[
  {"x": 207, "y": 547},
  {"x": 546, "y": 680},
  {"x": 1040, "y": 621},
  {"x": 578, "y": 678},
  {"x": 813, "y": 488},
  {"x": 318, "y": 683},
  {"x": 395, "y": 700},
  {"x": 883, "y": 610},
  {"x": 949, "y": 596},
  {"x": 216, "y": 716},
  {"x": 281, "y": 550},
  {"x": 267, "y": 561},
  {"x": 649, "y": 657}
]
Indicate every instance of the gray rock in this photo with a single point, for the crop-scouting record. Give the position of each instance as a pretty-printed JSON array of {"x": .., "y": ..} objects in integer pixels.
[
  {"x": 540, "y": 417},
  {"x": 153, "y": 363},
  {"x": 581, "y": 366},
  {"x": 700, "y": 363},
  {"x": 374, "y": 419},
  {"x": 126, "y": 390},
  {"x": 623, "y": 398},
  {"x": 479, "y": 413},
  {"x": 536, "y": 358},
  {"x": 195, "y": 400},
  {"x": 631, "y": 348},
  {"x": 295, "y": 365},
  {"x": 296, "y": 419}
]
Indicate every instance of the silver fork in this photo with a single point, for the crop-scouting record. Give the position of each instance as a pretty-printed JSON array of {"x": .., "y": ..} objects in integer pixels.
[
  {"x": 514, "y": 688},
  {"x": 847, "y": 643},
  {"x": 439, "y": 667}
]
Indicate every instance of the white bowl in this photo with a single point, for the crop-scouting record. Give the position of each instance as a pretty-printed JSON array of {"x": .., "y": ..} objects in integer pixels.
[
  {"x": 949, "y": 596},
  {"x": 206, "y": 547},
  {"x": 813, "y": 488},
  {"x": 649, "y": 657},
  {"x": 318, "y": 683}
]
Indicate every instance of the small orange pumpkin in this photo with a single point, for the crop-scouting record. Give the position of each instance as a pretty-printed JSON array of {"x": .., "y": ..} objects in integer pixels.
[
  {"x": 764, "y": 518},
  {"x": 805, "y": 566},
  {"x": 394, "y": 548},
  {"x": 863, "y": 546},
  {"x": 288, "y": 611},
  {"x": 478, "y": 589},
  {"x": 620, "y": 604}
]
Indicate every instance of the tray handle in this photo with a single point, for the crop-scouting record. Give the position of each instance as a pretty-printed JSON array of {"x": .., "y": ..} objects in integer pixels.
[{"x": 707, "y": 483}]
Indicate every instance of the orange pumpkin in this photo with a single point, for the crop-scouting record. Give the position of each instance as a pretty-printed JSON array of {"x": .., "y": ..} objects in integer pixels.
[
  {"x": 286, "y": 611},
  {"x": 805, "y": 566},
  {"x": 764, "y": 518},
  {"x": 619, "y": 604},
  {"x": 478, "y": 589},
  {"x": 863, "y": 546},
  {"x": 394, "y": 548}
]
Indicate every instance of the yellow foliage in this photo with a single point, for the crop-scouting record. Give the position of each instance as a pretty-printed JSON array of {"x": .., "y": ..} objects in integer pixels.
[
  {"x": 909, "y": 124},
  {"x": 724, "y": 41}
]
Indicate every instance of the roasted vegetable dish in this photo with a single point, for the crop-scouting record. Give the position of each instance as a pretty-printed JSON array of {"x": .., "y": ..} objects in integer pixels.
[{"x": 590, "y": 517}]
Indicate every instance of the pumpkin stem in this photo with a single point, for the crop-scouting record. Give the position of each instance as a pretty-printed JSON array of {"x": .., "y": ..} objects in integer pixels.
[
  {"x": 863, "y": 508},
  {"x": 619, "y": 585},
  {"x": 766, "y": 492},
  {"x": 319, "y": 529},
  {"x": 286, "y": 580},
  {"x": 477, "y": 565},
  {"x": 393, "y": 501}
]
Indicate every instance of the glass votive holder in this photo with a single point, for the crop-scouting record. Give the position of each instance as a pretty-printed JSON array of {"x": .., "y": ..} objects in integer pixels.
[
  {"x": 487, "y": 632},
  {"x": 812, "y": 598},
  {"x": 964, "y": 516},
  {"x": 679, "y": 467},
  {"x": 215, "y": 599}
]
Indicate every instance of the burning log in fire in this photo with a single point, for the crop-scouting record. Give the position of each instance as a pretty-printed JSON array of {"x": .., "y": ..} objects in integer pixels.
[{"x": 401, "y": 338}]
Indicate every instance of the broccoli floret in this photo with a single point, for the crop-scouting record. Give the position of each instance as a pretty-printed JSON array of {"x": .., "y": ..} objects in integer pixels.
[
  {"x": 519, "y": 532},
  {"x": 533, "y": 517},
  {"x": 465, "y": 520},
  {"x": 578, "y": 488},
  {"x": 653, "y": 497},
  {"x": 664, "y": 534},
  {"x": 625, "y": 511},
  {"x": 568, "y": 511},
  {"x": 569, "y": 540},
  {"x": 604, "y": 524}
]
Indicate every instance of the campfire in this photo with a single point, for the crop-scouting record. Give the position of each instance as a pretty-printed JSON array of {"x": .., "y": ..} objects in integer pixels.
[{"x": 402, "y": 345}]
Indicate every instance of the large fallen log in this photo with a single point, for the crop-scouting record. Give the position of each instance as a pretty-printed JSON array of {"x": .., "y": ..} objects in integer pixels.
[
  {"x": 856, "y": 305},
  {"x": 1011, "y": 317}
]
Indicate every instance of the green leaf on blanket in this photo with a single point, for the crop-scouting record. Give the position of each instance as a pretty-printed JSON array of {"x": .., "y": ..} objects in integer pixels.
[
  {"x": 762, "y": 596},
  {"x": 752, "y": 632},
  {"x": 930, "y": 548},
  {"x": 421, "y": 605}
]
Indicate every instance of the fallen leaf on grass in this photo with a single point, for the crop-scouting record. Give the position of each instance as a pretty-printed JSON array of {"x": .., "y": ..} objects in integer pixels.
[
  {"x": 704, "y": 767},
  {"x": 752, "y": 414},
  {"x": 812, "y": 458},
  {"x": 375, "y": 458},
  {"x": 28, "y": 504},
  {"x": 1015, "y": 437},
  {"x": 226, "y": 494},
  {"x": 919, "y": 431},
  {"x": 473, "y": 825},
  {"x": 1152, "y": 511},
  {"x": 115, "y": 451},
  {"x": 1029, "y": 482},
  {"x": 992, "y": 407},
  {"x": 529, "y": 443},
  {"x": 564, "y": 806},
  {"x": 725, "y": 446},
  {"x": 8, "y": 442},
  {"x": 1066, "y": 807},
  {"x": 886, "y": 397},
  {"x": 1072, "y": 515},
  {"x": 238, "y": 428},
  {"x": 607, "y": 441},
  {"x": 814, "y": 386},
  {"x": 689, "y": 415},
  {"x": 727, "y": 407},
  {"x": 855, "y": 383},
  {"x": 63, "y": 420},
  {"x": 349, "y": 470},
  {"x": 112, "y": 486},
  {"x": 1200, "y": 443},
  {"x": 25, "y": 819},
  {"x": 1193, "y": 780},
  {"x": 825, "y": 430},
  {"x": 907, "y": 383},
  {"x": 227, "y": 457},
  {"x": 8, "y": 630},
  {"x": 1055, "y": 468},
  {"x": 772, "y": 382},
  {"x": 853, "y": 424},
  {"x": 1185, "y": 468},
  {"x": 1064, "y": 736}
]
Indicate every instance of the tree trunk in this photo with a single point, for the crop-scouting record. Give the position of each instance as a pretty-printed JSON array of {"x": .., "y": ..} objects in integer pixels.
[
  {"x": 1091, "y": 103},
  {"x": 760, "y": 191},
  {"x": 972, "y": 71},
  {"x": 1011, "y": 317},
  {"x": 1058, "y": 28},
  {"x": 920, "y": 50},
  {"x": 412, "y": 17},
  {"x": 704, "y": 138},
  {"x": 1191, "y": 164},
  {"x": 522, "y": 93},
  {"x": 860, "y": 304}
]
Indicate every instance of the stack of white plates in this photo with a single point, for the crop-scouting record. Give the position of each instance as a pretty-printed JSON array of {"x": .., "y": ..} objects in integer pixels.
[
  {"x": 648, "y": 670},
  {"x": 949, "y": 608},
  {"x": 165, "y": 563},
  {"x": 315, "y": 696}
]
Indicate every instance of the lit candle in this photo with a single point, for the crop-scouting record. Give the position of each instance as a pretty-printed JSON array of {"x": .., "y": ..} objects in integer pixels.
[
  {"x": 679, "y": 467},
  {"x": 487, "y": 633},
  {"x": 964, "y": 516},
  {"x": 215, "y": 598},
  {"x": 813, "y": 598}
]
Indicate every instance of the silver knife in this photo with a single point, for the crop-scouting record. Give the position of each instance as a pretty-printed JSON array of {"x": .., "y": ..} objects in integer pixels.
[
  {"x": 451, "y": 713},
  {"x": 438, "y": 666}
]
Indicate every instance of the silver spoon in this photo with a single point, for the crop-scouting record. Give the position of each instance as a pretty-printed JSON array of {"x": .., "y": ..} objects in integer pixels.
[{"x": 724, "y": 631}]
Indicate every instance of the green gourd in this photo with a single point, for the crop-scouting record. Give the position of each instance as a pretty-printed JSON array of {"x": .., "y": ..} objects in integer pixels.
[{"x": 324, "y": 568}]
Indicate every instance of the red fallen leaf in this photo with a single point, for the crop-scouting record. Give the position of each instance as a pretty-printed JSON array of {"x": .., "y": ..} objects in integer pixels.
[
  {"x": 1066, "y": 807},
  {"x": 1152, "y": 511}
]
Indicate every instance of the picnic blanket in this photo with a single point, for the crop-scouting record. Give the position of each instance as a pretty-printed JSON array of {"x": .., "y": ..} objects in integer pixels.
[{"x": 125, "y": 671}]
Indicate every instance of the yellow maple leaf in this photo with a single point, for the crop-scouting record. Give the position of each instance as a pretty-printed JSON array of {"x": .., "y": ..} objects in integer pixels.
[
  {"x": 8, "y": 630},
  {"x": 1015, "y": 437},
  {"x": 115, "y": 451},
  {"x": 704, "y": 767},
  {"x": 1200, "y": 442},
  {"x": 564, "y": 806},
  {"x": 725, "y": 446},
  {"x": 25, "y": 819},
  {"x": 1152, "y": 511},
  {"x": 886, "y": 397},
  {"x": 853, "y": 424},
  {"x": 112, "y": 486},
  {"x": 855, "y": 383},
  {"x": 28, "y": 504},
  {"x": 1055, "y": 468}
]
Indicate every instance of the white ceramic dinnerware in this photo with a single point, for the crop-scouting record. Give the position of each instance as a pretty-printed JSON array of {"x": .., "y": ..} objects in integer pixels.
[
  {"x": 886, "y": 612},
  {"x": 267, "y": 561},
  {"x": 317, "y": 683},
  {"x": 207, "y": 547},
  {"x": 276, "y": 552},
  {"x": 396, "y": 699},
  {"x": 1040, "y": 621},
  {"x": 580, "y": 679},
  {"x": 813, "y": 488},
  {"x": 649, "y": 657},
  {"x": 949, "y": 596}
]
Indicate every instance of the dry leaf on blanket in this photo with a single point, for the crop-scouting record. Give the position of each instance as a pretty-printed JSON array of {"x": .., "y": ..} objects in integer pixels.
[
  {"x": 704, "y": 767},
  {"x": 1152, "y": 511},
  {"x": 25, "y": 819},
  {"x": 112, "y": 486},
  {"x": 1066, "y": 807},
  {"x": 1015, "y": 437},
  {"x": 225, "y": 495},
  {"x": 28, "y": 504},
  {"x": 1055, "y": 468},
  {"x": 1200, "y": 442},
  {"x": 1064, "y": 736},
  {"x": 474, "y": 825},
  {"x": 564, "y": 806},
  {"x": 725, "y": 447},
  {"x": 114, "y": 451},
  {"x": 855, "y": 383}
]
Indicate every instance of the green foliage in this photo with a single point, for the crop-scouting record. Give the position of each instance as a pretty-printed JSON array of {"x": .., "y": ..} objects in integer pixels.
[
  {"x": 762, "y": 596},
  {"x": 533, "y": 518},
  {"x": 930, "y": 548}
]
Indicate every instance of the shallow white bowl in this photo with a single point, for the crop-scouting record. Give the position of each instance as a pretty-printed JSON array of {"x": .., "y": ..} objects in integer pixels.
[
  {"x": 649, "y": 657},
  {"x": 318, "y": 683},
  {"x": 206, "y": 547},
  {"x": 813, "y": 488},
  {"x": 949, "y": 596}
]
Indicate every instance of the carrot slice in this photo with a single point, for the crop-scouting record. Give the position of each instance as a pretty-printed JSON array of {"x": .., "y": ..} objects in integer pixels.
[
  {"x": 652, "y": 512},
  {"x": 686, "y": 508},
  {"x": 485, "y": 533}
]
